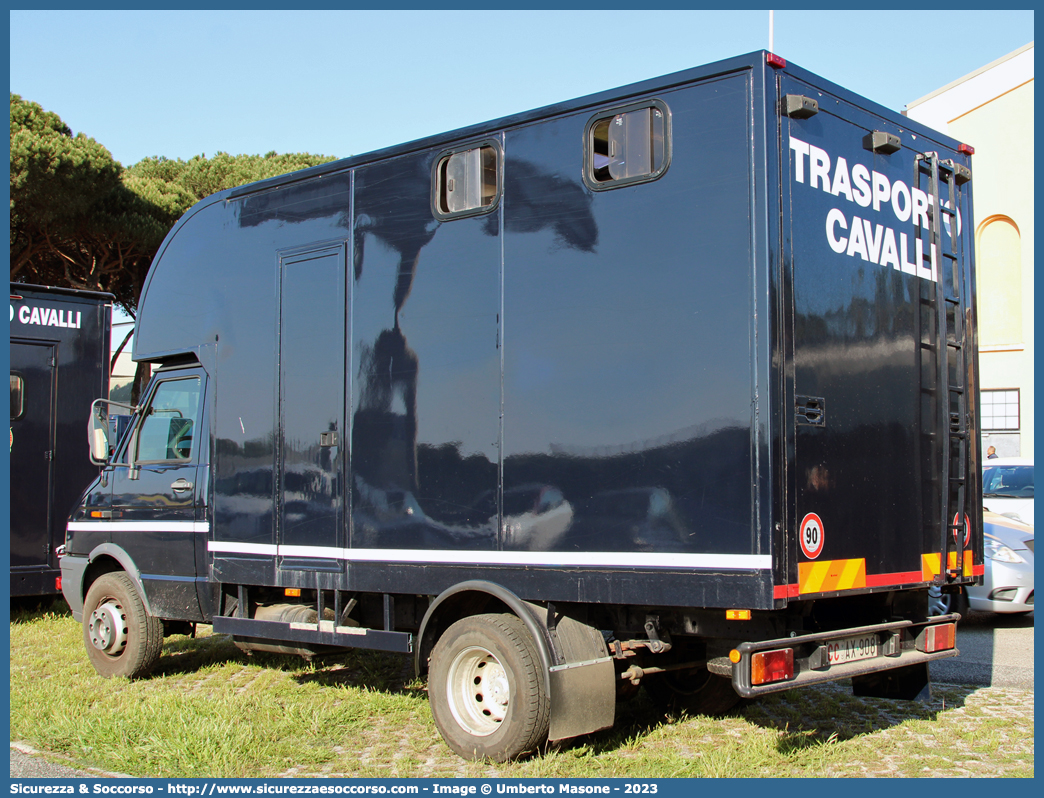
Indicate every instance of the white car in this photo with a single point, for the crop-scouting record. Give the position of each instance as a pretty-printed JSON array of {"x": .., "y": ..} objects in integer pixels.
[{"x": 1007, "y": 487}]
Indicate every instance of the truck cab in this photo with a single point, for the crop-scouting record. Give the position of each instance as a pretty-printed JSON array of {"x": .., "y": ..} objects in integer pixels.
[{"x": 146, "y": 515}]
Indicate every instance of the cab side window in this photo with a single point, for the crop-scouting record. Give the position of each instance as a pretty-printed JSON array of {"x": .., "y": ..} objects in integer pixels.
[{"x": 168, "y": 427}]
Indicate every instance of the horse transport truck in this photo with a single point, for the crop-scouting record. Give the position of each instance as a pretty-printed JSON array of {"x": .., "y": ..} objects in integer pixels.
[
  {"x": 672, "y": 386},
  {"x": 59, "y": 346}
]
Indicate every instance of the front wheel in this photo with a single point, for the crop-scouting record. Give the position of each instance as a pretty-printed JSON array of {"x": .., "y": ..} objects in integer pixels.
[
  {"x": 122, "y": 639},
  {"x": 488, "y": 689}
]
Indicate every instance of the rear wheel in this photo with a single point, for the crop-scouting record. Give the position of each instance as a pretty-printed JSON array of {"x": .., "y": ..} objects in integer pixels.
[
  {"x": 488, "y": 689},
  {"x": 694, "y": 690},
  {"x": 940, "y": 603},
  {"x": 122, "y": 639}
]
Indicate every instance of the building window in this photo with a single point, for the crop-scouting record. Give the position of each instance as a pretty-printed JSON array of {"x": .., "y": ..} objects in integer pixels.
[
  {"x": 17, "y": 396},
  {"x": 628, "y": 145},
  {"x": 1000, "y": 410},
  {"x": 466, "y": 182}
]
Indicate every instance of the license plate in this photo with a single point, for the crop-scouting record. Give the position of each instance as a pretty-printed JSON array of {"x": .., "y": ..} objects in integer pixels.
[{"x": 851, "y": 649}]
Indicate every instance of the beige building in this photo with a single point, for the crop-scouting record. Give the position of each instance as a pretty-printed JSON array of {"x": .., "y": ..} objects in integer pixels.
[{"x": 992, "y": 110}]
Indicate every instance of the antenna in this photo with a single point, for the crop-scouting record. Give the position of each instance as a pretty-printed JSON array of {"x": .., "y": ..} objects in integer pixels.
[{"x": 771, "y": 31}]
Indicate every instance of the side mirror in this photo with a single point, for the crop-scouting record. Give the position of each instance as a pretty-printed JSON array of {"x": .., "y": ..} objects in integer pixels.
[
  {"x": 98, "y": 434},
  {"x": 98, "y": 430}
]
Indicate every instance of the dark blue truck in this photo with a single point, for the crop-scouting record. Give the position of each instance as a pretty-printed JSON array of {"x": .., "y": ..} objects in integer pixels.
[
  {"x": 59, "y": 364},
  {"x": 670, "y": 386}
]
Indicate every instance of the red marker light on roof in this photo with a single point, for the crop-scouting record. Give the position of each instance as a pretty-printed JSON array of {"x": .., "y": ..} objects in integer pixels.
[
  {"x": 966, "y": 149},
  {"x": 774, "y": 60}
]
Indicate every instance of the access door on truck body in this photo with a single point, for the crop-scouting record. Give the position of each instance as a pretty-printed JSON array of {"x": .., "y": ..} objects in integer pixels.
[
  {"x": 33, "y": 372},
  {"x": 312, "y": 325},
  {"x": 862, "y": 326}
]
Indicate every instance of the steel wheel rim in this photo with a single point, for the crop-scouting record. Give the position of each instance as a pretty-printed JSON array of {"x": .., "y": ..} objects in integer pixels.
[
  {"x": 478, "y": 691},
  {"x": 939, "y": 603},
  {"x": 108, "y": 628}
]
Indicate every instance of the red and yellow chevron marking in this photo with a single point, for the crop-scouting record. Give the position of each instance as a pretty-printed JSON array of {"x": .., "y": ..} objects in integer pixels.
[
  {"x": 966, "y": 562},
  {"x": 931, "y": 565},
  {"x": 829, "y": 575}
]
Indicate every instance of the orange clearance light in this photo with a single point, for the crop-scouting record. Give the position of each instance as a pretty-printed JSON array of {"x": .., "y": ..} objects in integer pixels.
[
  {"x": 942, "y": 637},
  {"x": 96, "y": 513},
  {"x": 772, "y": 666},
  {"x": 734, "y": 656},
  {"x": 737, "y": 615},
  {"x": 292, "y": 591}
]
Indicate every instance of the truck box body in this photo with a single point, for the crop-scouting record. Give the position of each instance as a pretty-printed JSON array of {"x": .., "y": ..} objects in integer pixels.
[
  {"x": 672, "y": 347},
  {"x": 59, "y": 365}
]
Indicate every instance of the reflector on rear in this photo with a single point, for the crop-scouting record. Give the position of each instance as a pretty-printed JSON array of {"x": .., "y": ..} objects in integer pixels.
[
  {"x": 942, "y": 637},
  {"x": 772, "y": 666}
]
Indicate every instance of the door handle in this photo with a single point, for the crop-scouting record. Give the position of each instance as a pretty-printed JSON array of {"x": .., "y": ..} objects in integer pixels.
[
  {"x": 181, "y": 485},
  {"x": 810, "y": 410}
]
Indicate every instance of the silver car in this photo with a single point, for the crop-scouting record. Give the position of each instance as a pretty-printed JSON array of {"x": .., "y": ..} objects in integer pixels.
[
  {"x": 1007, "y": 487},
  {"x": 1007, "y": 585}
]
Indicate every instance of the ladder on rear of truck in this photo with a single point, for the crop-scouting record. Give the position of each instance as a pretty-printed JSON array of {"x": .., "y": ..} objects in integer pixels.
[{"x": 952, "y": 290}]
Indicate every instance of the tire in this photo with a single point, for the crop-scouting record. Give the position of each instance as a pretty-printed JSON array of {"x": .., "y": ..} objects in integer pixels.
[
  {"x": 488, "y": 690},
  {"x": 121, "y": 638},
  {"x": 940, "y": 603},
  {"x": 696, "y": 691}
]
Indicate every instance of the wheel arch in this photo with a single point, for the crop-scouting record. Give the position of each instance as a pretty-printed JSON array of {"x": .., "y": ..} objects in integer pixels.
[
  {"x": 108, "y": 558},
  {"x": 474, "y": 597}
]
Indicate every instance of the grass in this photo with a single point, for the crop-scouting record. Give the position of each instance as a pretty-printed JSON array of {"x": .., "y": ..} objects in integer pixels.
[{"x": 211, "y": 710}]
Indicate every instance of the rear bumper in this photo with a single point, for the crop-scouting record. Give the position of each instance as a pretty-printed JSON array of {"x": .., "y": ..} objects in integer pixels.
[
  {"x": 34, "y": 581},
  {"x": 899, "y": 644}
]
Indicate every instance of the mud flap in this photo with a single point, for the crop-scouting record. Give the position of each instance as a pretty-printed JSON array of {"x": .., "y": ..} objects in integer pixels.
[
  {"x": 911, "y": 683},
  {"x": 583, "y": 698},
  {"x": 583, "y": 683}
]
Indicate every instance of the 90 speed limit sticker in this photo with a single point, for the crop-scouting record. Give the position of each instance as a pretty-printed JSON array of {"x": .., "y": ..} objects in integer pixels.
[
  {"x": 811, "y": 532},
  {"x": 967, "y": 528}
]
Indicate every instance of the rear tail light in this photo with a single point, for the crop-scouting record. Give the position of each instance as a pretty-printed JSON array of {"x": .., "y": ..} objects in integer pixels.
[
  {"x": 772, "y": 666},
  {"x": 58, "y": 584},
  {"x": 942, "y": 637}
]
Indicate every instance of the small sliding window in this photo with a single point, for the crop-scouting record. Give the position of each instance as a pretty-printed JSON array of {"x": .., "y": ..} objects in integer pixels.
[
  {"x": 627, "y": 145},
  {"x": 17, "y": 396},
  {"x": 467, "y": 182}
]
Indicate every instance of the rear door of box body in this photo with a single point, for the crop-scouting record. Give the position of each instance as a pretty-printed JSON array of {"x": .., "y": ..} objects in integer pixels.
[
  {"x": 32, "y": 451},
  {"x": 861, "y": 318}
]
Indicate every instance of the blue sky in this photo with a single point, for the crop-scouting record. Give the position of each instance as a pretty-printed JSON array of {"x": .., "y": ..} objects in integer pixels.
[{"x": 182, "y": 83}]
